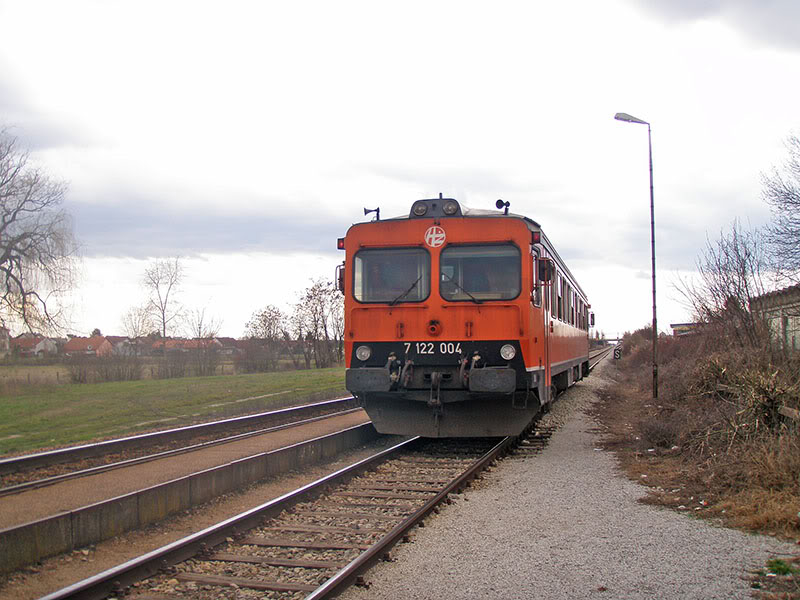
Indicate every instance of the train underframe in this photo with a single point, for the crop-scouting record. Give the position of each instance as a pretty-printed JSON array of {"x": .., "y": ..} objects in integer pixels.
[{"x": 441, "y": 401}]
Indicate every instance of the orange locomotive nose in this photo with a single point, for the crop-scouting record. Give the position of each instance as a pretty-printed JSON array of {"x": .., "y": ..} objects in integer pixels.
[{"x": 467, "y": 321}]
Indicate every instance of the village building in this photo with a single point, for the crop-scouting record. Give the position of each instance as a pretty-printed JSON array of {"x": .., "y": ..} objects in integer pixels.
[
  {"x": 32, "y": 345},
  {"x": 97, "y": 345},
  {"x": 680, "y": 329},
  {"x": 228, "y": 346},
  {"x": 781, "y": 312},
  {"x": 121, "y": 345}
]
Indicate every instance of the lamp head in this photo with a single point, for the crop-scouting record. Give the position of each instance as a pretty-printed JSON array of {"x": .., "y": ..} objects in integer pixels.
[{"x": 629, "y": 119}]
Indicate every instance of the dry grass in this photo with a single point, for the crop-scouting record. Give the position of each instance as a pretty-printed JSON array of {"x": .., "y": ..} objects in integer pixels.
[{"x": 713, "y": 444}]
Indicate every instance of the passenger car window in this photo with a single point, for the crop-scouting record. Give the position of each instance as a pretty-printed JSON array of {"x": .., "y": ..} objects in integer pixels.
[
  {"x": 480, "y": 272},
  {"x": 392, "y": 275}
]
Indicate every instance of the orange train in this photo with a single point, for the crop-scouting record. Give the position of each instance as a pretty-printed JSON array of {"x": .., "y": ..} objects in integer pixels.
[{"x": 459, "y": 322}]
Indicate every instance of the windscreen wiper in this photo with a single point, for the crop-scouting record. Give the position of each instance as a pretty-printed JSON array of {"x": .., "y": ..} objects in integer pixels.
[
  {"x": 455, "y": 283},
  {"x": 406, "y": 293}
]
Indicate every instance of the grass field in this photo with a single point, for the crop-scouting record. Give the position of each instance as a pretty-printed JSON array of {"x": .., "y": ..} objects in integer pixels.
[
  {"x": 16, "y": 376},
  {"x": 50, "y": 415}
]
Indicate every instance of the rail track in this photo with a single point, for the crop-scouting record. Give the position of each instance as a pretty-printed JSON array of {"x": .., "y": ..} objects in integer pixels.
[
  {"x": 317, "y": 540},
  {"x": 595, "y": 356},
  {"x": 81, "y": 517},
  {"x": 21, "y": 473}
]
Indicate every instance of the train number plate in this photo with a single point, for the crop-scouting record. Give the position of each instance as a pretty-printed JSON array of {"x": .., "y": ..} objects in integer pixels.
[{"x": 433, "y": 348}]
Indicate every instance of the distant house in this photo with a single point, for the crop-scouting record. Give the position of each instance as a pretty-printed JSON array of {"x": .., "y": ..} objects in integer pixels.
[
  {"x": 121, "y": 345},
  {"x": 228, "y": 346},
  {"x": 142, "y": 346},
  {"x": 201, "y": 344},
  {"x": 32, "y": 345},
  {"x": 679, "y": 329},
  {"x": 97, "y": 345},
  {"x": 781, "y": 311},
  {"x": 168, "y": 345}
]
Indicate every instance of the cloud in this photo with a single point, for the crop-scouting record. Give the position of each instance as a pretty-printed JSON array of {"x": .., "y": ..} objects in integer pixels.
[
  {"x": 34, "y": 129},
  {"x": 140, "y": 229},
  {"x": 774, "y": 23}
]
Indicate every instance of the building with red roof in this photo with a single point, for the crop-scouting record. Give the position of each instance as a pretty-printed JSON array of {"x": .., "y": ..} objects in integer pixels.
[{"x": 97, "y": 345}]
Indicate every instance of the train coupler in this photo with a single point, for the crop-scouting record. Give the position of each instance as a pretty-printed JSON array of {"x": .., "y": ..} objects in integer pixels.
[
  {"x": 436, "y": 381},
  {"x": 393, "y": 368}
]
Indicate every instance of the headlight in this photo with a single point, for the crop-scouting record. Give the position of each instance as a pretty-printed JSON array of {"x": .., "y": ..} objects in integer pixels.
[
  {"x": 450, "y": 207},
  {"x": 363, "y": 352},
  {"x": 508, "y": 352},
  {"x": 420, "y": 209}
]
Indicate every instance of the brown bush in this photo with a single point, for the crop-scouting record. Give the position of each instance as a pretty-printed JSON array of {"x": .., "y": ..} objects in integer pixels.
[{"x": 719, "y": 404}]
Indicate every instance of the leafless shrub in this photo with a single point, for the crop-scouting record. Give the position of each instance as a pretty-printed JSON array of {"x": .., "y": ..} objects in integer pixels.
[
  {"x": 117, "y": 368},
  {"x": 172, "y": 365},
  {"x": 95, "y": 369},
  {"x": 259, "y": 356},
  {"x": 664, "y": 432},
  {"x": 79, "y": 369},
  {"x": 205, "y": 360}
]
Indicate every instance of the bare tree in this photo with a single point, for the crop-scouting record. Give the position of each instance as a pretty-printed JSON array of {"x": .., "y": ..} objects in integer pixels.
[
  {"x": 266, "y": 333},
  {"x": 320, "y": 314},
  {"x": 37, "y": 247},
  {"x": 299, "y": 334},
  {"x": 137, "y": 322},
  {"x": 162, "y": 278},
  {"x": 782, "y": 192},
  {"x": 199, "y": 325},
  {"x": 203, "y": 347},
  {"x": 731, "y": 274},
  {"x": 266, "y": 324}
]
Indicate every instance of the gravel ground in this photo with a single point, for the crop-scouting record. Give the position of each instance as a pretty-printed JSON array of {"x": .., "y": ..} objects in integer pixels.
[{"x": 567, "y": 524}]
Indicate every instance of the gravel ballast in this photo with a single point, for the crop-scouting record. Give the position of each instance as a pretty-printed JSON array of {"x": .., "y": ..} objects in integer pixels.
[{"x": 566, "y": 524}]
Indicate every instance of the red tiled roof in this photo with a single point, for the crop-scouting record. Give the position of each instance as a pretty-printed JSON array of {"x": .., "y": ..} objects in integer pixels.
[
  {"x": 82, "y": 344},
  {"x": 786, "y": 290},
  {"x": 25, "y": 343}
]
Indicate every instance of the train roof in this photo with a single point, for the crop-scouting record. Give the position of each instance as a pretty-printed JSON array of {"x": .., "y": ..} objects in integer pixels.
[{"x": 450, "y": 207}]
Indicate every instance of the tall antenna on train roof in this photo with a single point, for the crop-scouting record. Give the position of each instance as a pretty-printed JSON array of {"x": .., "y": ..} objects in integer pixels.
[
  {"x": 377, "y": 212},
  {"x": 501, "y": 204}
]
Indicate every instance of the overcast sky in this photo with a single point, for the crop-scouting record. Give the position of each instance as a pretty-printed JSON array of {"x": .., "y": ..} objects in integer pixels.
[{"x": 246, "y": 137}]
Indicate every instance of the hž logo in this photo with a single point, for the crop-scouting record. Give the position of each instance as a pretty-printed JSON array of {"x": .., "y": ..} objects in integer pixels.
[{"x": 435, "y": 236}]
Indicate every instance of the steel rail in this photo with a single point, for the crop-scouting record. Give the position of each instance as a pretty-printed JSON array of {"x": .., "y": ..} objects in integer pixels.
[
  {"x": 348, "y": 574},
  {"x": 602, "y": 354},
  {"x": 115, "y": 579},
  {"x": 41, "y": 459},
  {"x": 39, "y": 483}
]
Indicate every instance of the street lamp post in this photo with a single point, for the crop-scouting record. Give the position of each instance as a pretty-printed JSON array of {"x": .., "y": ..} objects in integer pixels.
[{"x": 629, "y": 119}]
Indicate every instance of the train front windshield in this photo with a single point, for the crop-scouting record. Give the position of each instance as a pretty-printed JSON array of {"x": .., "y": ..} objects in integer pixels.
[
  {"x": 480, "y": 272},
  {"x": 392, "y": 275}
]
